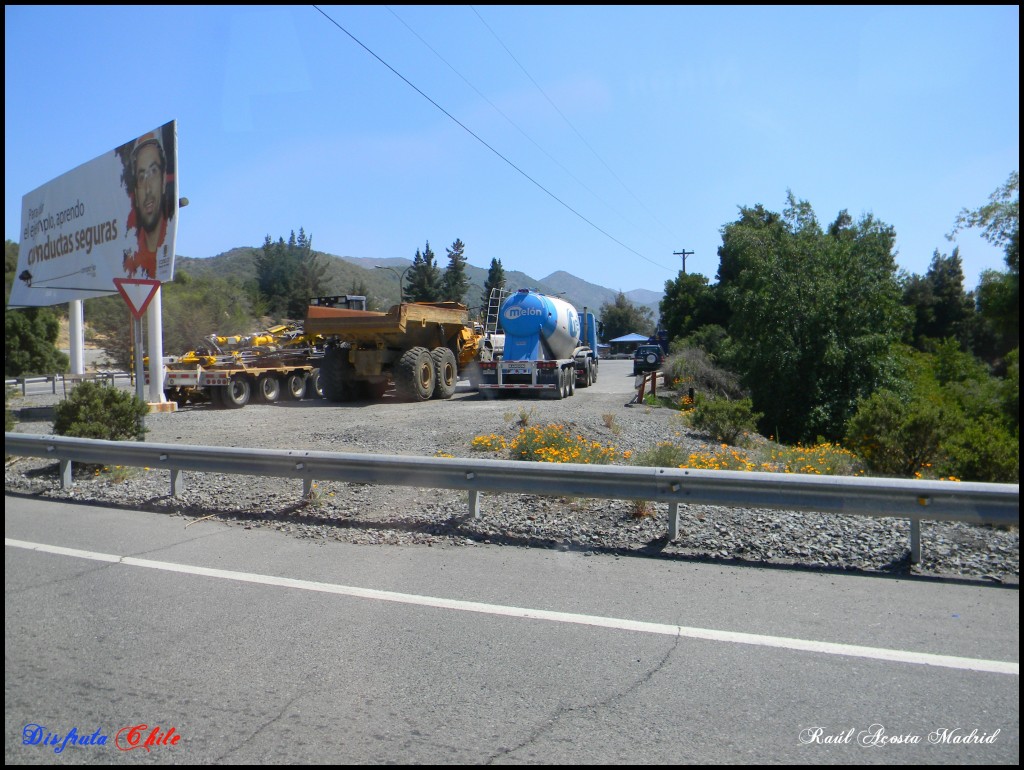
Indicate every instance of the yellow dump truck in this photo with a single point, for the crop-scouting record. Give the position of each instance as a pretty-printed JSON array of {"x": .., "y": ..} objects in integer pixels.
[{"x": 420, "y": 348}]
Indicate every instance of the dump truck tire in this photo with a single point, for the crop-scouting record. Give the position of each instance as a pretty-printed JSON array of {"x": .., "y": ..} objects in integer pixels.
[
  {"x": 414, "y": 375},
  {"x": 238, "y": 393},
  {"x": 446, "y": 372},
  {"x": 268, "y": 389},
  {"x": 294, "y": 386},
  {"x": 336, "y": 376}
]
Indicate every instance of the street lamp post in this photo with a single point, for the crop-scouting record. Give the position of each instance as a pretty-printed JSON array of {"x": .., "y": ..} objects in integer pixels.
[{"x": 401, "y": 279}]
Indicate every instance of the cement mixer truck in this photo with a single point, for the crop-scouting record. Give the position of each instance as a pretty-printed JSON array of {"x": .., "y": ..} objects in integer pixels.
[{"x": 549, "y": 348}]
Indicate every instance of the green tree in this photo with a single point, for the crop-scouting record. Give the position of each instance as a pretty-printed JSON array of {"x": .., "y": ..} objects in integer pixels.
[
  {"x": 30, "y": 337},
  {"x": 623, "y": 317},
  {"x": 688, "y": 304},
  {"x": 940, "y": 305},
  {"x": 289, "y": 273},
  {"x": 30, "y": 334},
  {"x": 424, "y": 277},
  {"x": 310, "y": 279},
  {"x": 814, "y": 315},
  {"x": 999, "y": 293},
  {"x": 495, "y": 280},
  {"x": 456, "y": 282}
]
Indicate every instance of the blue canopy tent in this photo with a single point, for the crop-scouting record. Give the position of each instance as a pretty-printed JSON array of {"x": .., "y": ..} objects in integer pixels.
[{"x": 627, "y": 343}]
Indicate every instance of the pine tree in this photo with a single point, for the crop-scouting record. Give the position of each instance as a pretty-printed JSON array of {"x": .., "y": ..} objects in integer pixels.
[
  {"x": 456, "y": 282},
  {"x": 289, "y": 273},
  {"x": 309, "y": 278},
  {"x": 424, "y": 277},
  {"x": 495, "y": 280}
]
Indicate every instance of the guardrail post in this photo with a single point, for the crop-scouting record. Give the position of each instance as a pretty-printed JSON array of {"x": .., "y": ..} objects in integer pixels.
[
  {"x": 474, "y": 503},
  {"x": 65, "y": 474},
  {"x": 673, "y": 520},
  {"x": 53, "y": 383},
  {"x": 307, "y": 488},
  {"x": 177, "y": 482},
  {"x": 915, "y": 541}
]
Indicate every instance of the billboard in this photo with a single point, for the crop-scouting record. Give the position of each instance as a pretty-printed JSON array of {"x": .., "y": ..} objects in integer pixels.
[{"x": 113, "y": 217}]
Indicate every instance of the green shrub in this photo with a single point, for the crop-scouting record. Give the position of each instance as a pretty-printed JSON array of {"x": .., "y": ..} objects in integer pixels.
[
  {"x": 725, "y": 420},
  {"x": 665, "y": 454},
  {"x": 100, "y": 411},
  {"x": 984, "y": 450},
  {"x": 899, "y": 437},
  {"x": 691, "y": 367}
]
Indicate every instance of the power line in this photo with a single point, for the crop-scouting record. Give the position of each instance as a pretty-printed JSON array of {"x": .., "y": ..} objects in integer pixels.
[
  {"x": 510, "y": 121},
  {"x": 485, "y": 144},
  {"x": 569, "y": 123}
]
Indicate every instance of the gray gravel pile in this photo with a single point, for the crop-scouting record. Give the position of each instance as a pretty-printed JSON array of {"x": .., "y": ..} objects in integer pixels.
[{"x": 371, "y": 514}]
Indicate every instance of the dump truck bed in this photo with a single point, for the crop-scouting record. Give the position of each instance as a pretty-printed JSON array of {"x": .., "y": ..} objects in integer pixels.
[{"x": 395, "y": 328}]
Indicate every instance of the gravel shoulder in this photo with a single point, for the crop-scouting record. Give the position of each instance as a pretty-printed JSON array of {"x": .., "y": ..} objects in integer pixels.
[{"x": 408, "y": 516}]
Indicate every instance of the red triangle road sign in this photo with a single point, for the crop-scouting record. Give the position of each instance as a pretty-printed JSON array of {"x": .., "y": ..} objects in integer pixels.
[{"x": 137, "y": 292}]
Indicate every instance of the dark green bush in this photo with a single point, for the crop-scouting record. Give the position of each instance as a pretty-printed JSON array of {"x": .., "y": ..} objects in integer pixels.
[
  {"x": 725, "y": 420},
  {"x": 897, "y": 436},
  {"x": 100, "y": 411},
  {"x": 983, "y": 451}
]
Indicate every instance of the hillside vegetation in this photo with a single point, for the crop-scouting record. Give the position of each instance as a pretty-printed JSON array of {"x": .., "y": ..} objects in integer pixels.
[{"x": 810, "y": 333}]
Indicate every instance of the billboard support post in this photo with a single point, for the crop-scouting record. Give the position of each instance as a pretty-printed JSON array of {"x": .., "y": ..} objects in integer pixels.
[{"x": 140, "y": 368}]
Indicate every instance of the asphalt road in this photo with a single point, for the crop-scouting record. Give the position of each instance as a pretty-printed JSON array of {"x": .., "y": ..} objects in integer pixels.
[{"x": 260, "y": 648}]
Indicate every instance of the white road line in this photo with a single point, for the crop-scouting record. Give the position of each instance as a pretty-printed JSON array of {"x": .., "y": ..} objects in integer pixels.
[{"x": 805, "y": 645}]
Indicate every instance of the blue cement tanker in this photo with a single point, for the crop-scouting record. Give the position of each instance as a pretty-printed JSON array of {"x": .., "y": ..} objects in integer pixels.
[{"x": 548, "y": 346}]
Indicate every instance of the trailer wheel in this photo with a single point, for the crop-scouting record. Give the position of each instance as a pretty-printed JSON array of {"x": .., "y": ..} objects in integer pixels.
[
  {"x": 216, "y": 396},
  {"x": 237, "y": 393},
  {"x": 294, "y": 386},
  {"x": 268, "y": 388},
  {"x": 559, "y": 392},
  {"x": 313, "y": 387},
  {"x": 570, "y": 381},
  {"x": 586, "y": 380},
  {"x": 177, "y": 395},
  {"x": 414, "y": 375},
  {"x": 446, "y": 372}
]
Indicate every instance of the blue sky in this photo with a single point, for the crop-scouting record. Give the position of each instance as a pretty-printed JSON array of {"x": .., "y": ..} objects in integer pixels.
[{"x": 604, "y": 138}]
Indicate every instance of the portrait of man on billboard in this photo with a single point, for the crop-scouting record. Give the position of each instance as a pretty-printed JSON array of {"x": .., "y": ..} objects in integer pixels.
[{"x": 148, "y": 176}]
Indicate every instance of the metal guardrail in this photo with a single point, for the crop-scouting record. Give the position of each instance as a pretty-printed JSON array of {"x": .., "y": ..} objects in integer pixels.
[
  {"x": 53, "y": 379},
  {"x": 916, "y": 500}
]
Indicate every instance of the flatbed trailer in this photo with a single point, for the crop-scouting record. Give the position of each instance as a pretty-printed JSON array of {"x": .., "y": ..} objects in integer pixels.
[{"x": 234, "y": 386}]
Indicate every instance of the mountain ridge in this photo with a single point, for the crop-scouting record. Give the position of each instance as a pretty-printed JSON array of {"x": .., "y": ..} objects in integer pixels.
[{"x": 379, "y": 277}]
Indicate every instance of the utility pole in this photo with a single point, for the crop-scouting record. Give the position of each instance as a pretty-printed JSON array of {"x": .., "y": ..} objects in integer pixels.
[{"x": 684, "y": 254}]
